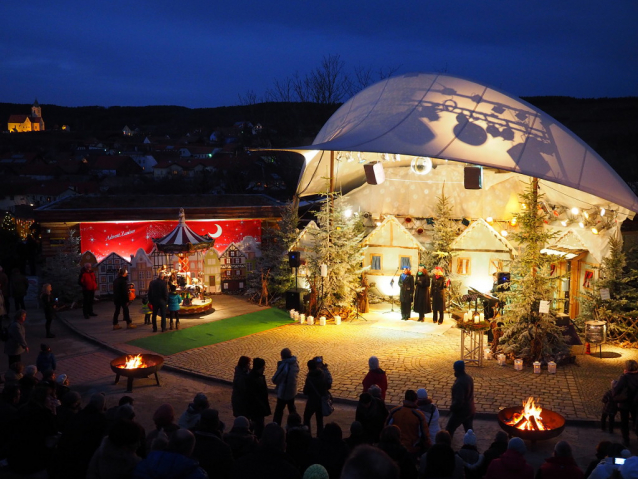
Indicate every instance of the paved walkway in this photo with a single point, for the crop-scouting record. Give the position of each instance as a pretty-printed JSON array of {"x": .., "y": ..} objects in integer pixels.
[{"x": 413, "y": 354}]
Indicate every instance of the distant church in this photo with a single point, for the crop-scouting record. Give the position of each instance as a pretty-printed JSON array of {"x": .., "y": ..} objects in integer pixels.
[{"x": 22, "y": 123}]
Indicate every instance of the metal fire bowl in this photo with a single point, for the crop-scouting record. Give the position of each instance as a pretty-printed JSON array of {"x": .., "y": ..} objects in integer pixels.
[
  {"x": 554, "y": 421},
  {"x": 153, "y": 361}
]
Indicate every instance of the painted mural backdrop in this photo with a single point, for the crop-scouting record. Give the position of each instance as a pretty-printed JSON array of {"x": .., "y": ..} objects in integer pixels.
[{"x": 125, "y": 238}]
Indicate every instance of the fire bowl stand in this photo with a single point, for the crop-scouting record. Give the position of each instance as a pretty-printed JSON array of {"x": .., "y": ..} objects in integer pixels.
[{"x": 129, "y": 379}]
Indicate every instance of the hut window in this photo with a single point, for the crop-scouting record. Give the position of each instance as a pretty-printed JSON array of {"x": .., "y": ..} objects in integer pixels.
[
  {"x": 375, "y": 262},
  {"x": 405, "y": 262},
  {"x": 463, "y": 266}
]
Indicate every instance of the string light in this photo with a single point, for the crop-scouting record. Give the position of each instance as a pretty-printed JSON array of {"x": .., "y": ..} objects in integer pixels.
[
  {"x": 513, "y": 221},
  {"x": 581, "y": 224},
  {"x": 575, "y": 211},
  {"x": 602, "y": 211},
  {"x": 503, "y": 233},
  {"x": 489, "y": 219}
]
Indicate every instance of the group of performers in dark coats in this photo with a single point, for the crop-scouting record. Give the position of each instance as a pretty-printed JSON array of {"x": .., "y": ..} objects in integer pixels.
[{"x": 427, "y": 293}]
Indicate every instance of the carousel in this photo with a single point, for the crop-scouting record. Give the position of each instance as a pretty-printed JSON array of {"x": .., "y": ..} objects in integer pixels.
[{"x": 183, "y": 242}]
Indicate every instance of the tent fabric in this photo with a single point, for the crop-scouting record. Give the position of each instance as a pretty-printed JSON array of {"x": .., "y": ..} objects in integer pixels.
[
  {"x": 183, "y": 239},
  {"x": 451, "y": 118}
]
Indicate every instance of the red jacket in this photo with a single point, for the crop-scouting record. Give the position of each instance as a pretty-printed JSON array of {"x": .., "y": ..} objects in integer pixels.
[
  {"x": 511, "y": 465},
  {"x": 378, "y": 377},
  {"x": 88, "y": 280},
  {"x": 560, "y": 468}
]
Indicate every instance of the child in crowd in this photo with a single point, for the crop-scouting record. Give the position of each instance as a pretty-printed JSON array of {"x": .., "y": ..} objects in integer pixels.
[
  {"x": 147, "y": 310},
  {"x": 174, "y": 300},
  {"x": 610, "y": 408},
  {"x": 46, "y": 359}
]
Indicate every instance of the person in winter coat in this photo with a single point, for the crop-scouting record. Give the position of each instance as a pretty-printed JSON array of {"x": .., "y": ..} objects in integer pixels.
[
  {"x": 512, "y": 463},
  {"x": 191, "y": 416},
  {"x": 240, "y": 438},
  {"x": 47, "y": 302},
  {"x": 496, "y": 450},
  {"x": 561, "y": 465},
  {"x": 315, "y": 388},
  {"x": 390, "y": 443},
  {"x": 462, "y": 409},
  {"x": 175, "y": 461},
  {"x": 429, "y": 410},
  {"x": 607, "y": 468},
  {"x": 174, "y": 300},
  {"x": 329, "y": 449},
  {"x": 16, "y": 343},
  {"x": 257, "y": 405},
  {"x": 406, "y": 294},
  {"x": 610, "y": 408},
  {"x": 238, "y": 396},
  {"x": 46, "y": 359},
  {"x": 285, "y": 379},
  {"x": 19, "y": 287},
  {"x": 375, "y": 375},
  {"x": 88, "y": 282},
  {"x": 158, "y": 297},
  {"x": 214, "y": 455},
  {"x": 624, "y": 394},
  {"x": 471, "y": 456},
  {"x": 372, "y": 414},
  {"x": 415, "y": 435},
  {"x": 422, "y": 302},
  {"x": 116, "y": 457},
  {"x": 120, "y": 298},
  {"x": 437, "y": 292}
]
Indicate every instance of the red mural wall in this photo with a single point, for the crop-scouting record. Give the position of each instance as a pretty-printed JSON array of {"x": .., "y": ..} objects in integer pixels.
[{"x": 125, "y": 238}]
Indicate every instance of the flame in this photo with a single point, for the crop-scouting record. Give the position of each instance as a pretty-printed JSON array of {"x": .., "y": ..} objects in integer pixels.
[
  {"x": 529, "y": 419},
  {"x": 134, "y": 362}
]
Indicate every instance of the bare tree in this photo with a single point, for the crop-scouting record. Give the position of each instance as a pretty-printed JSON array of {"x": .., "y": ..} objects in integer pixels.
[{"x": 250, "y": 98}]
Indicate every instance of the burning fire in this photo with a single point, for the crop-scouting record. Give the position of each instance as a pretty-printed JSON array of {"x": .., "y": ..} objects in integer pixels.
[
  {"x": 134, "y": 362},
  {"x": 529, "y": 419}
]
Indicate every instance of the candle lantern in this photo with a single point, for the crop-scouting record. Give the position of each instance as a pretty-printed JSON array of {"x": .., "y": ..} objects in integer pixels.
[
  {"x": 337, "y": 320},
  {"x": 477, "y": 318},
  {"x": 322, "y": 321},
  {"x": 302, "y": 319},
  {"x": 311, "y": 320},
  {"x": 551, "y": 367},
  {"x": 481, "y": 317},
  {"x": 537, "y": 367},
  {"x": 487, "y": 353},
  {"x": 501, "y": 359},
  {"x": 292, "y": 313},
  {"x": 518, "y": 364},
  {"x": 466, "y": 317}
]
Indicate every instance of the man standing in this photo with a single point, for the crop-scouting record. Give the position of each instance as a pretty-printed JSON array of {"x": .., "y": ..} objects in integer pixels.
[
  {"x": 415, "y": 433},
  {"x": 406, "y": 285},
  {"x": 158, "y": 297},
  {"x": 462, "y": 408},
  {"x": 285, "y": 379},
  {"x": 120, "y": 298},
  {"x": 88, "y": 282},
  {"x": 422, "y": 293},
  {"x": 439, "y": 284}
]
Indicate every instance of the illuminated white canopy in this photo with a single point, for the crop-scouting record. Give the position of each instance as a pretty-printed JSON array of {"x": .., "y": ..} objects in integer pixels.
[{"x": 451, "y": 119}]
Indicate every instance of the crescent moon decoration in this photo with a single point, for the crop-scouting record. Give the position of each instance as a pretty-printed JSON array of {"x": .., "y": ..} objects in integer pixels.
[{"x": 217, "y": 234}]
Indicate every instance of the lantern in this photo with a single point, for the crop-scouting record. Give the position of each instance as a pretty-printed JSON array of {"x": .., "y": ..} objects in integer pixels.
[
  {"x": 337, "y": 320},
  {"x": 292, "y": 314},
  {"x": 595, "y": 332},
  {"x": 302, "y": 319},
  {"x": 311, "y": 320},
  {"x": 518, "y": 364},
  {"x": 551, "y": 367},
  {"x": 487, "y": 353},
  {"x": 322, "y": 321},
  {"x": 477, "y": 318},
  {"x": 537, "y": 367},
  {"x": 501, "y": 359}
]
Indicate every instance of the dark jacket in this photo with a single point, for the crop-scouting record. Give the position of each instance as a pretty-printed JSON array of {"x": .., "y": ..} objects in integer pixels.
[
  {"x": 241, "y": 441},
  {"x": 45, "y": 361},
  {"x": 422, "y": 303},
  {"x": 168, "y": 465},
  {"x": 609, "y": 405},
  {"x": 406, "y": 283},
  {"x": 265, "y": 463},
  {"x": 238, "y": 396},
  {"x": 402, "y": 458},
  {"x": 158, "y": 291},
  {"x": 16, "y": 343},
  {"x": 496, "y": 450},
  {"x": 510, "y": 465},
  {"x": 372, "y": 418},
  {"x": 627, "y": 381},
  {"x": 257, "y": 404},
  {"x": 315, "y": 387},
  {"x": 560, "y": 468},
  {"x": 213, "y": 454},
  {"x": 19, "y": 285},
  {"x": 120, "y": 290},
  {"x": 463, "y": 396},
  {"x": 437, "y": 291}
]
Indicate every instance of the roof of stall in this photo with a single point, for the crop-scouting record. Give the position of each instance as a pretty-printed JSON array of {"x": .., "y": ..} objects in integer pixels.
[{"x": 450, "y": 118}]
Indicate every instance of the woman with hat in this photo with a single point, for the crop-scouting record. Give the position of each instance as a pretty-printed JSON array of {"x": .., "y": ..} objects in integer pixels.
[
  {"x": 422, "y": 293},
  {"x": 437, "y": 290},
  {"x": 406, "y": 285}
]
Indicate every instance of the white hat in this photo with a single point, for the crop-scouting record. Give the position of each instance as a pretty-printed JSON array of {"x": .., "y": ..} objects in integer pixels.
[{"x": 422, "y": 393}]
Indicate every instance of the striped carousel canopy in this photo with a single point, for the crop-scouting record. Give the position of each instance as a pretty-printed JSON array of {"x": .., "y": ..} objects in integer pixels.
[{"x": 183, "y": 239}]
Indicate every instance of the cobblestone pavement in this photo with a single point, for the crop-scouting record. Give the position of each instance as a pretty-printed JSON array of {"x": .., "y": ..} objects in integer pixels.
[{"x": 413, "y": 354}]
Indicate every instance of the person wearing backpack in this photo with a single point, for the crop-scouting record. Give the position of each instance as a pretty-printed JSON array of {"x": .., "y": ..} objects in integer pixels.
[{"x": 429, "y": 410}]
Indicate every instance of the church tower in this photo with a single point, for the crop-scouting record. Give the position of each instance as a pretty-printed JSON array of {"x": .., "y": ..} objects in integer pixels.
[{"x": 36, "y": 111}]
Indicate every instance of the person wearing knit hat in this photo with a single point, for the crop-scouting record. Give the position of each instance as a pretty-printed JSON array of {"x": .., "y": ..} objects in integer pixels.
[
  {"x": 375, "y": 375},
  {"x": 429, "y": 410},
  {"x": 512, "y": 463},
  {"x": 462, "y": 409},
  {"x": 240, "y": 438},
  {"x": 629, "y": 470},
  {"x": 561, "y": 464},
  {"x": 191, "y": 416},
  {"x": 163, "y": 418},
  {"x": 316, "y": 471},
  {"x": 470, "y": 455}
]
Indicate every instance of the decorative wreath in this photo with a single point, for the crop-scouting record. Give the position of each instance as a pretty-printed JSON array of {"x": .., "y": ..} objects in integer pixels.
[{"x": 472, "y": 326}]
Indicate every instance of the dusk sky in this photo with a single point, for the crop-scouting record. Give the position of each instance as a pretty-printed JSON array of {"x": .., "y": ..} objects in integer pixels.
[{"x": 207, "y": 53}]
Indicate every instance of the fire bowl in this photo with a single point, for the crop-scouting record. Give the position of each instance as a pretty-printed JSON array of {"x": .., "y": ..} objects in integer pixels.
[
  {"x": 554, "y": 421},
  {"x": 153, "y": 363}
]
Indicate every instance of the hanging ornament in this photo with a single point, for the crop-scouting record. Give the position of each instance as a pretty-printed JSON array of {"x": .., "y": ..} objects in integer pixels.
[{"x": 421, "y": 165}]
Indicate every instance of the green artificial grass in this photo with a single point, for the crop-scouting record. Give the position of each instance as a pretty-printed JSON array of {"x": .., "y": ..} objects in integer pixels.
[{"x": 172, "y": 342}]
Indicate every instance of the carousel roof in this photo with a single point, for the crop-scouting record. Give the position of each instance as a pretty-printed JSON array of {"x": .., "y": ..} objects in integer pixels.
[{"x": 183, "y": 239}]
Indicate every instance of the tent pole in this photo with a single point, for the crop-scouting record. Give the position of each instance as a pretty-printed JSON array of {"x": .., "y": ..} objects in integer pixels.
[{"x": 332, "y": 171}]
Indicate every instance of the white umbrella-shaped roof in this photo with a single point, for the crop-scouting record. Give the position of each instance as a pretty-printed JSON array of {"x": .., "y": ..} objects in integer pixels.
[
  {"x": 183, "y": 239},
  {"x": 450, "y": 118}
]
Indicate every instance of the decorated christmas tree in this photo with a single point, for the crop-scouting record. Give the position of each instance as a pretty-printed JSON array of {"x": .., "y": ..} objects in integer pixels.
[
  {"x": 273, "y": 265},
  {"x": 63, "y": 270},
  {"x": 336, "y": 244},
  {"x": 528, "y": 333}
]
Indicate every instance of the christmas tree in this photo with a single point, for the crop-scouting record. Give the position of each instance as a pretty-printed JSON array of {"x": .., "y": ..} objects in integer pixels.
[
  {"x": 336, "y": 244},
  {"x": 63, "y": 269},
  {"x": 273, "y": 264},
  {"x": 529, "y": 334},
  {"x": 445, "y": 231}
]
